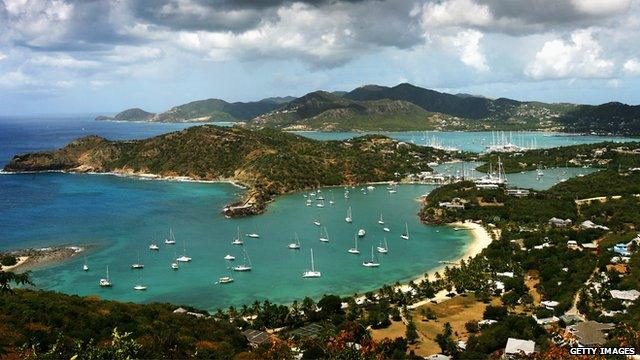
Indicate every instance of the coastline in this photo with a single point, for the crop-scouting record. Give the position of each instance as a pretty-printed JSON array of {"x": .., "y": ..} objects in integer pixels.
[{"x": 30, "y": 259}]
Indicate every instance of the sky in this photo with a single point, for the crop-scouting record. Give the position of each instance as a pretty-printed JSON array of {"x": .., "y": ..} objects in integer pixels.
[{"x": 66, "y": 57}]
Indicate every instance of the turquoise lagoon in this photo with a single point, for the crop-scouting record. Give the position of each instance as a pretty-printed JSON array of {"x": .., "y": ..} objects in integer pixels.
[{"x": 117, "y": 218}]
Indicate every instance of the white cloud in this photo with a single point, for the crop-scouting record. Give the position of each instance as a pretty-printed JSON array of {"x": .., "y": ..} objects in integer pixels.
[
  {"x": 2, "y": 56},
  {"x": 15, "y": 79},
  {"x": 467, "y": 44},
  {"x": 580, "y": 57},
  {"x": 455, "y": 12},
  {"x": 632, "y": 66},
  {"x": 64, "y": 61},
  {"x": 601, "y": 7},
  {"x": 614, "y": 83}
]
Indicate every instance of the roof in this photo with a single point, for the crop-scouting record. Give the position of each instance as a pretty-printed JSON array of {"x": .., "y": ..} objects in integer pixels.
[
  {"x": 438, "y": 357},
  {"x": 590, "y": 333},
  {"x": 180, "y": 311},
  {"x": 631, "y": 295},
  {"x": 516, "y": 346},
  {"x": 311, "y": 330},
  {"x": 256, "y": 337}
]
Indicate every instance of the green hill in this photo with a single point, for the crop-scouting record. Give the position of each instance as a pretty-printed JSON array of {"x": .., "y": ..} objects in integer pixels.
[
  {"x": 268, "y": 162},
  {"x": 134, "y": 114}
]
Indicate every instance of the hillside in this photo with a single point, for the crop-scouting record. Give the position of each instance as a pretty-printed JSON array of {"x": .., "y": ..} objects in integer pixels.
[
  {"x": 84, "y": 326},
  {"x": 268, "y": 162},
  {"x": 134, "y": 114},
  {"x": 203, "y": 111},
  {"x": 613, "y": 117}
]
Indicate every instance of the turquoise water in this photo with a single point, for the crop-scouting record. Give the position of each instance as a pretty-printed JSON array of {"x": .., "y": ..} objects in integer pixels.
[
  {"x": 474, "y": 141},
  {"x": 119, "y": 217},
  {"x": 525, "y": 179}
]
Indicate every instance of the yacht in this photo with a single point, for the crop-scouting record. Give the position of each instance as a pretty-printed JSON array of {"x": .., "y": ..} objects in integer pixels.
[
  {"x": 386, "y": 229},
  {"x": 393, "y": 191},
  {"x": 296, "y": 244},
  {"x": 137, "y": 265},
  {"x": 246, "y": 263},
  {"x": 174, "y": 266},
  {"x": 85, "y": 267},
  {"x": 171, "y": 240},
  {"x": 229, "y": 257},
  {"x": 332, "y": 201},
  {"x": 381, "y": 221},
  {"x": 349, "y": 219},
  {"x": 238, "y": 239},
  {"x": 105, "y": 282},
  {"x": 154, "y": 247},
  {"x": 312, "y": 273},
  {"x": 405, "y": 234},
  {"x": 372, "y": 262},
  {"x": 225, "y": 280},
  {"x": 361, "y": 233},
  {"x": 316, "y": 222},
  {"x": 324, "y": 237},
  {"x": 370, "y": 187},
  {"x": 383, "y": 249},
  {"x": 140, "y": 287},
  {"x": 354, "y": 250},
  {"x": 346, "y": 194},
  {"x": 254, "y": 235},
  {"x": 320, "y": 204},
  {"x": 184, "y": 257}
]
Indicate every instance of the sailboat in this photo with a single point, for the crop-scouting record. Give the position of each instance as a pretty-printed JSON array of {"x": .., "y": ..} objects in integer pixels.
[
  {"x": 383, "y": 249},
  {"x": 312, "y": 273},
  {"x": 381, "y": 221},
  {"x": 346, "y": 194},
  {"x": 354, "y": 250},
  {"x": 332, "y": 201},
  {"x": 171, "y": 240},
  {"x": 295, "y": 245},
  {"x": 386, "y": 229},
  {"x": 140, "y": 286},
  {"x": 225, "y": 279},
  {"x": 348, "y": 219},
  {"x": 246, "y": 263},
  {"x": 361, "y": 233},
  {"x": 320, "y": 204},
  {"x": 372, "y": 262},
  {"x": 255, "y": 234},
  {"x": 153, "y": 246},
  {"x": 137, "y": 265},
  {"x": 238, "y": 239},
  {"x": 184, "y": 257},
  {"x": 174, "y": 265},
  {"x": 405, "y": 234},
  {"x": 229, "y": 257},
  {"x": 85, "y": 267},
  {"x": 105, "y": 282},
  {"x": 316, "y": 222},
  {"x": 324, "y": 237}
]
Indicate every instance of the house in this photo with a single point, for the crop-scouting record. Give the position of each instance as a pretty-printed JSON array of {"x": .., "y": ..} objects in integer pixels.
[
  {"x": 588, "y": 225},
  {"x": 589, "y": 246},
  {"x": 257, "y": 337},
  {"x": 572, "y": 244},
  {"x": 518, "y": 192},
  {"x": 590, "y": 333},
  {"x": 546, "y": 321},
  {"x": 508, "y": 274},
  {"x": 555, "y": 222},
  {"x": 622, "y": 249},
  {"x": 549, "y": 304},
  {"x": 626, "y": 295},
  {"x": 517, "y": 347}
]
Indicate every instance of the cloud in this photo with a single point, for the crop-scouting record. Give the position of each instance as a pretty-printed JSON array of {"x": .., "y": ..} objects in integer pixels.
[
  {"x": 467, "y": 44},
  {"x": 632, "y": 66},
  {"x": 64, "y": 61},
  {"x": 2, "y": 56},
  {"x": 456, "y": 12},
  {"x": 600, "y": 7},
  {"x": 579, "y": 57}
]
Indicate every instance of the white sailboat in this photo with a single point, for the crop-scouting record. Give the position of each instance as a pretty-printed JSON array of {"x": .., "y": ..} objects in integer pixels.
[
  {"x": 175, "y": 266},
  {"x": 320, "y": 204},
  {"x": 296, "y": 244},
  {"x": 171, "y": 240},
  {"x": 312, "y": 273},
  {"x": 105, "y": 282},
  {"x": 381, "y": 221},
  {"x": 85, "y": 267},
  {"x": 255, "y": 234},
  {"x": 383, "y": 249},
  {"x": 354, "y": 250},
  {"x": 349, "y": 219},
  {"x": 154, "y": 246},
  {"x": 184, "y": 257},
  {"x": 225, "y": 279},
  {"x": 316, "y": 222},
  {"x": 386, "y": 229},
  {"x": 137, "y": 265},
  {"x": 140, "y": 285},
  {"x": 238, "y": 239},
  {"x": 324, "y": 236},
  {"x": 229, "y": 257},
  {"x": 333, "y": 200},
  {"x": 405, "y": 234},
  {"x": 246, "y": 263},
  {"x": 361, "y": 233},
  {"x": 372, "y": 262}
]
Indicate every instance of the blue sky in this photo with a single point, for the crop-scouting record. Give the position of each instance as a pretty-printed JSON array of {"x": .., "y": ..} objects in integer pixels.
[{"x": 87, "y": 56}]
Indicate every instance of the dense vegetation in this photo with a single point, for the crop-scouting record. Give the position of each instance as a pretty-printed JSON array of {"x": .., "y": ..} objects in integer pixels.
[{"x": 270, "y": 162}]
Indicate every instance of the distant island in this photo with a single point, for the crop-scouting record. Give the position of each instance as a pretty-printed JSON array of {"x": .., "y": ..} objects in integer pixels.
[
  {"x": 403, "y": 107},
  {"x": 268, "y": 162}
]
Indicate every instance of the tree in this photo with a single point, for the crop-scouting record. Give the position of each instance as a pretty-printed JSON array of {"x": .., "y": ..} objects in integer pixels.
[
  {"x": 445, "y": 341},
  {"x": 8, "y": 277},
  {"x": 411, "y": 333},
  {"x": 8, "y": 260}
]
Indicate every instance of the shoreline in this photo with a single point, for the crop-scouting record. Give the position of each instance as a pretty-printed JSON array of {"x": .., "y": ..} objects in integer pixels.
[{"x": 34, "y": 258}]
